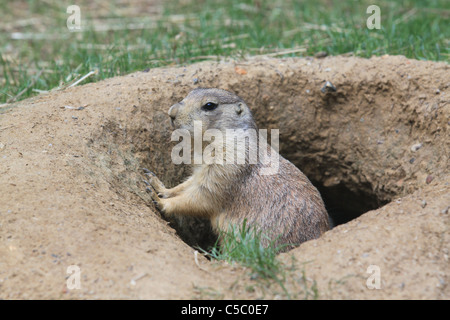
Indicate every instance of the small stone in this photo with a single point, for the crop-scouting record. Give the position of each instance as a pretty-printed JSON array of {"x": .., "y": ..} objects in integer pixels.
[
  {"x": 331, "y": 182},
  {"x": 429, "y": 179},
  {"x": 423, "y": 204},
  {"x": 416, "y": 147},
  {"x": 321, "y": 54},
  {"x": 328, "y": 87}
]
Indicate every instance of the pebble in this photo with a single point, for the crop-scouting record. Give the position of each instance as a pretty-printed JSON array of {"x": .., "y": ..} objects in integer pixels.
[
  {"x": 328, "y": 87},
  {"x": 73, "y": 108},
  {"x": 416, "y": 147},
  {"x": 321, "y": 54}
]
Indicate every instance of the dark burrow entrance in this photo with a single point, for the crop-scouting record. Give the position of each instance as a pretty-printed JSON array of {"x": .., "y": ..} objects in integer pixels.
[{"x": 344, "y": 205}]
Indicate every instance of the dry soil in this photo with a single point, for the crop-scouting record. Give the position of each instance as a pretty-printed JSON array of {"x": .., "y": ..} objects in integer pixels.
[{"x": 71, "y": 190}]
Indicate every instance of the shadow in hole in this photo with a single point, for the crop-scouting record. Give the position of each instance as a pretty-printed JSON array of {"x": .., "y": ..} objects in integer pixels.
[
  {"x": 195, "y": 232},
  {"x": 344, "y": 205}
]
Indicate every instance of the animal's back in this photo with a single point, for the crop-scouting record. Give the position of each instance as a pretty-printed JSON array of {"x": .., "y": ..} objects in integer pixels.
[{"x": 285, "y": 206}]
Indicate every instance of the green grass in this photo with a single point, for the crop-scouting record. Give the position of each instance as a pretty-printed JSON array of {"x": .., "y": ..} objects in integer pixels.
[
  {"x": 242, "y": 245},
  {"x": 39, "y": 53}
]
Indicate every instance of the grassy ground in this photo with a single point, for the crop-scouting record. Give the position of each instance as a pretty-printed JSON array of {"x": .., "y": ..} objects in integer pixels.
[
  {"x": 39, "y": 53},
  {"x": 242, "y": 245}
]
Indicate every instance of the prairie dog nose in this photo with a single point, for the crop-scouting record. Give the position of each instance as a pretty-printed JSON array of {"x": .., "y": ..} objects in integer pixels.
[{"x": 173, "y": 111}]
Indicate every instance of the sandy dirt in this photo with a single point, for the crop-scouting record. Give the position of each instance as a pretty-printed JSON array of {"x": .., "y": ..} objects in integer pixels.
[{"x": 71, "y": 190}]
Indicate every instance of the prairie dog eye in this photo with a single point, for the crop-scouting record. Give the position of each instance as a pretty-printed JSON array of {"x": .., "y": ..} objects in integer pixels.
[{"x": 210, "y": 106}]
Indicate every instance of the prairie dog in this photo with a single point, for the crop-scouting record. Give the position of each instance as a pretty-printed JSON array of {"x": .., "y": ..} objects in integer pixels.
[{"x": 284, "y": 206}]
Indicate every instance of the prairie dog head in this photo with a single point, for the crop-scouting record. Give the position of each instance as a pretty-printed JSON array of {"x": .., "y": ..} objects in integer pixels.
[{"x": 215, "y": 108}]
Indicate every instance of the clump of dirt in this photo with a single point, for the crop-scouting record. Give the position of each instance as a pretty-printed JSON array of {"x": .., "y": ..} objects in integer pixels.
[{"x": 374, "y": 139}]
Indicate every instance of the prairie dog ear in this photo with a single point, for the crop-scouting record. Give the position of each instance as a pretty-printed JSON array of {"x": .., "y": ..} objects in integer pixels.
[{"x": 239, "y": 108}]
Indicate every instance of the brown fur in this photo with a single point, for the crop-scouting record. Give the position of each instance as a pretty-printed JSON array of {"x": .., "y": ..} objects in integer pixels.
[{"x": 285, "y": 206}]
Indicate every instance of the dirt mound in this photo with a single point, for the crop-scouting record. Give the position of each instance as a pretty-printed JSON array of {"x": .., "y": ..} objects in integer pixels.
[{"x": 377, "y": 136}]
